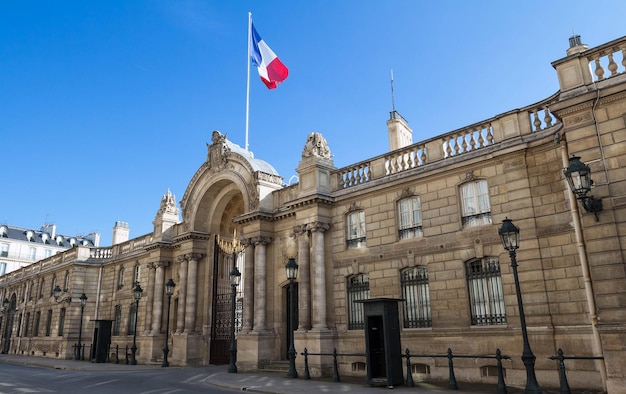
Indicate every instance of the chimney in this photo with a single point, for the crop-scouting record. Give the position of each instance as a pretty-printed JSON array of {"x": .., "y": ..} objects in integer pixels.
[
  {"x": 400, "y": 134},
  {"x": 50, "y": 229},
  {"x": 120, "y": 233},
  {"x": 576, "y": 45}
]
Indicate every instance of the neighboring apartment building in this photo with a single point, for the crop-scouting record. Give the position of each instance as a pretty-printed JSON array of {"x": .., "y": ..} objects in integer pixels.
[
  {"x": 419, "y": 223},
  {"x": 20, "y": 247}
]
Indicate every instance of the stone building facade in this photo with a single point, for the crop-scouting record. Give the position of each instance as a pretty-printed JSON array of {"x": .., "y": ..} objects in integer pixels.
[{"x": 418, "y": 223}]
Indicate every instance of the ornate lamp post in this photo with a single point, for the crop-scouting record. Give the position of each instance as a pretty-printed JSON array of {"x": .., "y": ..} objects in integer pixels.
[
  {"x": 169, "y": 290},
  {"x": 235, "y": 277},
  {"x": 83, "y": 302},
  {"x": 234, "y": 247},
  {"x": 578, "y": 176},
  {"x": 291, "y": 269},
  {"x": 137, "y": 291},
  {"x": 509, "y": 234},
  {"x": 56, "y": 292}
]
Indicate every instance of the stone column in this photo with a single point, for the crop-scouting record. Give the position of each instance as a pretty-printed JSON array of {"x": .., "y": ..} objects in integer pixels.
[
  {"x": 248, "y": 287},
  {"x": 148, "y": 319},
  {"x": 260, "y": 287},
  {"x": 192, "y": 291},
  {"x": 182, "y": 294},
  {"x": 157, "y": 300},
  {"x": 318, "y": 274},
  {"x": 304, "y": 278}
]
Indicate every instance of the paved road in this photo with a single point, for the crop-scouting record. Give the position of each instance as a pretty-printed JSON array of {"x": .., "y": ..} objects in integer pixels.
[{"x": 31, "y": 379}]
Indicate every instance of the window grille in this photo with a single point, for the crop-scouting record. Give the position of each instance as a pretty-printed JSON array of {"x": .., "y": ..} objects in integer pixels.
[
  {"x": 117, "y": 322},
  {"x": 48, "y": 322},
  {"x": 132, "y": 319},
  {"x": 358, "y": 289},
  {"x": 410, "y": 218},
  {"x": 36, "y": 327},
  {"x": 415, "y": 290},
  {"x": 61, "y": 321},
  {"x": 485, "y": 292}
]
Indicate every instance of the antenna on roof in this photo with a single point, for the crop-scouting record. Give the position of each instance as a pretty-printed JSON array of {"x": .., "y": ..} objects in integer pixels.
[{"x": 393, "y": 104}]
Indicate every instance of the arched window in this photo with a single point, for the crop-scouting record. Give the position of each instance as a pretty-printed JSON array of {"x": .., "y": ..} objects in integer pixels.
[
  {"x": 485, "y": 291},
  {"x": 416, "y": 293},
  {"x": 358, "y": 288}
]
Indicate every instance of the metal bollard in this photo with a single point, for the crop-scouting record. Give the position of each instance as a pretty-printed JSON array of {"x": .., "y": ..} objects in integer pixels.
[
  {"x": 335, "y": 367},
  {"x": 452, "y": 379},
  {"x": 307, "y": 375},
  {"x": 409, "y": 375}
]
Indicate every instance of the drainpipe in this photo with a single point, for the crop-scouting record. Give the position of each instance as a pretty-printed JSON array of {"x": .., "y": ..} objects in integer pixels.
[
  {"x": 97, "y": 313},
  {"x": 584, "y": 264}
]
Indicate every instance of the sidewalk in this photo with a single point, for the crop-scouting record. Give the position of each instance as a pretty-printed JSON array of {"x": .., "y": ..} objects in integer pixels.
[{"x": 264, "y": 382}]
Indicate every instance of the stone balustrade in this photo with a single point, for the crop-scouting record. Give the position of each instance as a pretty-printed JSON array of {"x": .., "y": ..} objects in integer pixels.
[{"x": 607, "y": 58}]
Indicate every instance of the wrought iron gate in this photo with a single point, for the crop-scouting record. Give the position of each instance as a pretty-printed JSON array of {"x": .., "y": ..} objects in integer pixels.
[{"x": 220, "y": 319}]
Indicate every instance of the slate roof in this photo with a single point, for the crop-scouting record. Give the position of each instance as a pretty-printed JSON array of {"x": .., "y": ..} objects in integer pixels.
[{"x": 20, "y": 234}]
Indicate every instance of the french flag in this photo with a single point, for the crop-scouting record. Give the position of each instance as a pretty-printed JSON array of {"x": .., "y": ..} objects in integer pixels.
[{"x": 271, "y": 70}]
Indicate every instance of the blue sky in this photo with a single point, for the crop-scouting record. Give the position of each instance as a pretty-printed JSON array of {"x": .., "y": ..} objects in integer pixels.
[{"x": 105, "y": 105}]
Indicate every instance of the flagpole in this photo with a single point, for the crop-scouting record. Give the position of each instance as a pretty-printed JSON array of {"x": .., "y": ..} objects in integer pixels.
[{"x": 248, "y": 79}]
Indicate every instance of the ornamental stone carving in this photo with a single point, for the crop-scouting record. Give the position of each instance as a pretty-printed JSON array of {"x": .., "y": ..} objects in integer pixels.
[{"x": 316, "y": 146}]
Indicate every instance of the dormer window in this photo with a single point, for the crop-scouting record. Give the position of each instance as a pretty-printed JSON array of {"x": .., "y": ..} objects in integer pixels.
[
  {"x": 59, "y": 240},
  {"x": 72, "y": 242},
  {"x": 45, "y": 238},
  {"x": 84, "y": 242},
  {"x": 3, "y": 231},
  {"x": 30, "y": 236}
]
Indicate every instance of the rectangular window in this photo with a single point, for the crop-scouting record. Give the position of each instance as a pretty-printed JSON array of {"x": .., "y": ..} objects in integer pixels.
[
  {"x": 136, "y": 275},
  {"x": 416, "y": 293},
  {"x": 356, "y": 230},
  {"x": 132, "y": 319},
  {"x": 4, "y": 250},
  {"x": 410, "y": 218},
  {"x": 36, "y": 327},
  {"x": 32, "y": 253},
  {"x": 358, "y": 289},
  {"x": 475, "y": 204},
  {"x": 26, "y": 323},
  {"x": 485, "y": 292},
  {"x": 47, "y": 253},
  {"x": 117, "y": 323},
  {"x": 48, "y": 322},
  {"x": 3, "y": 268},
  {"x": 19, "y": 325},
  {"x": 61, "y": 321}
]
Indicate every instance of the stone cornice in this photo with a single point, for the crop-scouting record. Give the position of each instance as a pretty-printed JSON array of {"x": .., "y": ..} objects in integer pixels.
[{"x": 192, "y": 235}]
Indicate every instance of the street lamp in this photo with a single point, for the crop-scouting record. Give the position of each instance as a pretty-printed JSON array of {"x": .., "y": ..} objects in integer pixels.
[
  {"x": 169, "y": 290},
  {"x": 578, "y": 176},
  {"x": 509, "y": 234},
  {"x": 291, "y": 269},
  {"x": 83, "y": 302},
  {"x": 137, "y": 291},
  {"x": 235, "y": 277}
]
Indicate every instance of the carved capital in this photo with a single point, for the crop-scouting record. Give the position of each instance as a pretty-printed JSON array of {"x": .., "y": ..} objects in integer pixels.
[
  {"x": 318, "y": 226},
  {"x": 261, "y": 240},
  {"x": 193, "y": 256},
  {"x": 158, "y": 264}
]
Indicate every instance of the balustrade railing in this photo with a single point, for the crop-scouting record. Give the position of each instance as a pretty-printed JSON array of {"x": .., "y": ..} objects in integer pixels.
[
  {"x": 607, "y": 57},
  {"x": 482, "y": 135}
]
